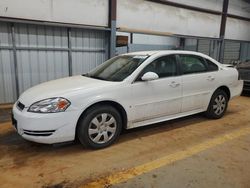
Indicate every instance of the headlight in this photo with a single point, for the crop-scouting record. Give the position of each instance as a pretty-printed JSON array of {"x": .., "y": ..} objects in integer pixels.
[{"x": 51, "y": 105}]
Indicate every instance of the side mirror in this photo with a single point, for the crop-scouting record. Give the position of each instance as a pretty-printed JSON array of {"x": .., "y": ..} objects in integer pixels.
[{"x": 148, "y": 76}]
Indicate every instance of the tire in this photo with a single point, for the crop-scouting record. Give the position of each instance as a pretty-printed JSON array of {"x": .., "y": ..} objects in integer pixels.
[
  {"x": 218, "y": 105},
  {"x": 99, "y": 127}
]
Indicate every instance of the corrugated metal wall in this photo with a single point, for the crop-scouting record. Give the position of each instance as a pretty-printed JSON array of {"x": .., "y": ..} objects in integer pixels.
[
  {"x": 191, "y": 44},
  {"x": 203, "y": 46},
  {"x": 209, "y": 47},
  {"x": 231, "y": 52},
  {"x": 89, "y": 49},
  {"x": 45, "y": 53},
  {"x": 245, "y": 51},
  {"x": 7, "y": 76},
  {"x": 36, "y": 63}
]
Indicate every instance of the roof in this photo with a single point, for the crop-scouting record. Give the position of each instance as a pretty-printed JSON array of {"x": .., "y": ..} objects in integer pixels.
[
  {"x": 154, "y": 52},
  {"x": 168, "y": 52},
  {"x": 142, "y": 53}
]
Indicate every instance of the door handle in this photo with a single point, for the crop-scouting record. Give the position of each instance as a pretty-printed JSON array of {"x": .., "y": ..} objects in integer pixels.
[
  {"x": 174, "y": 84},
  {"x": 210, "y": 78}
]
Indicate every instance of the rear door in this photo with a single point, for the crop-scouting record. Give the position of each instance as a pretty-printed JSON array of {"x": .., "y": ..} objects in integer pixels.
[{"x": 199, "y": 78}]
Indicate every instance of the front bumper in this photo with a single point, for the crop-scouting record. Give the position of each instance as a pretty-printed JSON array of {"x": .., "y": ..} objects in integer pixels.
[{"x": 45, "y": 128}]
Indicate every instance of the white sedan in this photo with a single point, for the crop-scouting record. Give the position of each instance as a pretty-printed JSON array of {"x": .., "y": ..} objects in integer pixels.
[{"x": 127, "y": 91}]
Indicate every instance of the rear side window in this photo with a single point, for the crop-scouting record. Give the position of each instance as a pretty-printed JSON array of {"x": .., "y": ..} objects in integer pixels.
[
  {"x": 192, "y": 64},
  {"x": 211, "y": 66}
]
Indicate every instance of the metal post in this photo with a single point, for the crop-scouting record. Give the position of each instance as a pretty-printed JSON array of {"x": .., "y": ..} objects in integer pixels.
[
  {"x": 182, "y": 43},
  {"x": 112, "y": 25},
  {"x": 240, "y": 53},
  {"x": 197, "y": 45},
  {"x": 221, "y": 52},
  {"x": 131, "y": 38},
  {"x": 130, "y": 42},
  {"x": 218, "y": 50},
  {"x": 223, "y": 29},
  {"x": 15, "y": 58},
  {"x": 69, "y": 51},
  {"x": 209, "y": 52}
]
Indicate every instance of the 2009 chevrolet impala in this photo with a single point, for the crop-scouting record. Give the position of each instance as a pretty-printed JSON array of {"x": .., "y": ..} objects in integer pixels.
[{"x": 127, "y": 91}]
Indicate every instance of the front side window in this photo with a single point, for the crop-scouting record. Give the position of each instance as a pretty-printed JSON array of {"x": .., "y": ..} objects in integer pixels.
[
  {"x": 192, "y": 64},
  {"x": 117, "y": 68},
  {"x": 164, "y": 67}
]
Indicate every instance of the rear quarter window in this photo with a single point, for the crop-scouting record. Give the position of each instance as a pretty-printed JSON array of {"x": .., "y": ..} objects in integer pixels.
[{"x": 211, "y": 66}]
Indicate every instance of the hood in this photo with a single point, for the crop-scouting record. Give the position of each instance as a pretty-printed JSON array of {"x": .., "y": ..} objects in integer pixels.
[{"x": 60, "y": 88}]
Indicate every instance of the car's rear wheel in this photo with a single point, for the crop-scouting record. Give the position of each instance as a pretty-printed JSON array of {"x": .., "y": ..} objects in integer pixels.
[
  {"x": 218, "y": 105},
  {"x": 99, "y": 127}
]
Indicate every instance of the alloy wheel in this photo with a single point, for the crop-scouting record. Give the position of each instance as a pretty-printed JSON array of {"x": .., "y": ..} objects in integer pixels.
[{"x": 219, "y": 105}]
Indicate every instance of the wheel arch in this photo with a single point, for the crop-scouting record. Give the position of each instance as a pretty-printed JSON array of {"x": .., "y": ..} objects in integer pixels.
[
  {"x": 209, "y": 111},
  {"x": 114, "y": 104},
  {"x": 226, "y": 90}
]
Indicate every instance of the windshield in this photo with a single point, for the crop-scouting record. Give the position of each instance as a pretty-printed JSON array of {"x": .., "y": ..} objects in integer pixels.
[{"x": 117, "y": 68}]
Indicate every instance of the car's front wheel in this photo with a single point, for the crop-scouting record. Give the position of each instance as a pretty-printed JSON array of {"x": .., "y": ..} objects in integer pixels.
[
  {"x": 99, "y": 127},
  {"x": 218, "y": 105}
]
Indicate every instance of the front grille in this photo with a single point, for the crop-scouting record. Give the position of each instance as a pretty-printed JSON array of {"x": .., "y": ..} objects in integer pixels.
[
  {"x": 20, "y": 106},
  {"x": 38, "y": 133}
]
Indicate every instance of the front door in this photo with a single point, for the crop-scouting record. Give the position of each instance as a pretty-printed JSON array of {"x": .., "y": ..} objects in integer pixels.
[{"x": 160, "y": 97}]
